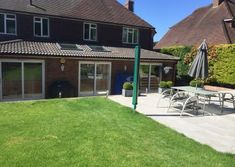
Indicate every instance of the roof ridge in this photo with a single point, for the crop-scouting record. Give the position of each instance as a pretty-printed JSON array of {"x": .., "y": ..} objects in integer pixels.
[
  {"x": 11, "y": 41},
  {"x": 228, "y": 7}
]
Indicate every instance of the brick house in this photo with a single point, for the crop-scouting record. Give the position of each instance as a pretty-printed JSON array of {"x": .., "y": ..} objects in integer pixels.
[
  {"x": 215, "y": 23},
  {"x": 75, "y": 48}
]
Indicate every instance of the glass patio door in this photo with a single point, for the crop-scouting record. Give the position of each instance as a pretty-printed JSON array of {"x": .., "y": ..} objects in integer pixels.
[
  {"x": 144, "y": 78},
  {"x": 11, "y": 81},
  {"x": 150, "y": 77},
  {"x": 21, "y": 80},
  {"x": 87, "y": 76},
  {"x": 94, "y": 78},
  {"x": 33, "y": 80},
  {"x": 102, "y": 78}
]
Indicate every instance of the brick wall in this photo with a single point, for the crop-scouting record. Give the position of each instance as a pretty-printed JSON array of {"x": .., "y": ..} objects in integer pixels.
[{"x": 71, "y": 31}]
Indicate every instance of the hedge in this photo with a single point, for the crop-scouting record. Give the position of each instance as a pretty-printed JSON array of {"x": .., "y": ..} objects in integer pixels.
[
  {"x": 181, "y": 52},
  {"x": 221, "y": 62},
  {"x": 224, "y": 65}
]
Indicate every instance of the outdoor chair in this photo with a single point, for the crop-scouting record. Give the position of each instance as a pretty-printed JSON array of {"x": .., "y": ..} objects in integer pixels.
[
  {"x": 167, "y": 94},
  {"x": 184, "y": 100},
  {"x": 228, "y": 97}
]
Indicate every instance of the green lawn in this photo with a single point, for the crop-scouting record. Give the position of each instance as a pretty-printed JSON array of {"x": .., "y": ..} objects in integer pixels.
[{"x": 94, "y": 132}]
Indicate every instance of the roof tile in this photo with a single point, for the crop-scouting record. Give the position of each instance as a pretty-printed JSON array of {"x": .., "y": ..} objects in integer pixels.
[
  {"x": 110, "y": 11},
  {"x": 21, "y": 48}
]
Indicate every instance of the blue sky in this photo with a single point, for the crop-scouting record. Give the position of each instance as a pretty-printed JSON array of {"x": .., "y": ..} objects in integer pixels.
[{"x": 163, "y": 14}]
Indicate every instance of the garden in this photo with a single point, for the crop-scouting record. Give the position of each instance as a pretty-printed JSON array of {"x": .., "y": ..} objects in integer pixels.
[{"x": 94, "y": 132}]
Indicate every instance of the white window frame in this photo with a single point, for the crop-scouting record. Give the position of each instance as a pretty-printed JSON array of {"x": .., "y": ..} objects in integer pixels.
[
  {"x": 22, "y": 77},
  {"x": 41, "y": 22},
  {"x": 5, "y": 23},
  {"x": 90, "y": 28},
  {"x": 127, "y": 35}
]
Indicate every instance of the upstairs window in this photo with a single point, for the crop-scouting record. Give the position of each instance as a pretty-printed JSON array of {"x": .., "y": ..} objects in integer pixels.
[
  {"x": 130, "y": 35},
  {"x": 41, "y": 27},
  {"x": 90, "y": 32},
  {"x": 8, "y": 24}
]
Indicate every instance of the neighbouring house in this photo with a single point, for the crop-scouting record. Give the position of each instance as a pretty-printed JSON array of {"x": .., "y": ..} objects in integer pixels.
[
  {"x": 215, "y": 23},
  {"x": 67, "y": 48}
]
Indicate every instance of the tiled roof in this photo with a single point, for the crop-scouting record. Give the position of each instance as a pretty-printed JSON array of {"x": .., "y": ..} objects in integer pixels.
[
  {"x": 109, "y": 11},
  {"x": 22, "y": 48},
  {"x": 204, "y": 23}
]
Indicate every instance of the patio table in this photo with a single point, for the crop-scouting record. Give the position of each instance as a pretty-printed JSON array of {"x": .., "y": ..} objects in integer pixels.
[{"x": 199, "y": 92}]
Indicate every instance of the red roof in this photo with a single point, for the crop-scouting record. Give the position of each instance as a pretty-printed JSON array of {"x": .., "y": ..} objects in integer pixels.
[
  {"x": 109, "y": 11},
  {"x": 204, "y": 23}
]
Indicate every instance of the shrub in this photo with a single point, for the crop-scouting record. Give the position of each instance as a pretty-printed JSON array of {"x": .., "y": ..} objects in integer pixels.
[
  {"x": 166, "y": 84},
  {"x": 127, "y": 86},
  {"x": 224, "y": 66},
  {"x": 181, "y": 52},
  {"x": 169, "y": 84},
  {"x": 196, "y": 83}
]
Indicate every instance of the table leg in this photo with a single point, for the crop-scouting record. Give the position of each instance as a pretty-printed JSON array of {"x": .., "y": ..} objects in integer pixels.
[{"x": 222, "y": 96}]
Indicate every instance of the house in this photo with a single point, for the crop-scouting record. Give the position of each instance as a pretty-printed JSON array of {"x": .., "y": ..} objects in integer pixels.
[
  {"x": 215, "y": 23},
  {"x": 67, "y": 48}
]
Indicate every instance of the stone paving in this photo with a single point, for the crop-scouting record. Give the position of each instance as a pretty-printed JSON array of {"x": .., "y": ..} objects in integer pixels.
[{"x": 216, "y": 130}]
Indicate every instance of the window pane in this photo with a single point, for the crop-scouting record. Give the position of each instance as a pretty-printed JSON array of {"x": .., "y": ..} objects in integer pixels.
[
  {"x": 11, "y": 26},
  {"x": 93, "y": 26},
  {"x": 144, "y": 77},
  {"x": 37, "y": 19},
  {"x": 155, "y": 77},
  {"x": 45, "y": 27},
  {"x": 11, "y": 81},
  {"x": 124, "y": 35},
  {"x": 11, "y": 16},
  {"x": 130, "y": 36},
  {"x": 136, "y": 36},
  {"x": 86, "y": 35},
  {"x": 32, "y": 80},
  {"x": 93, "y": 34},
  {"x": 37, "y": 29},
  {"x": 2, "y": 23},
  {"x": 87, "y": 78},
  {"x": 102, "y": 78}
]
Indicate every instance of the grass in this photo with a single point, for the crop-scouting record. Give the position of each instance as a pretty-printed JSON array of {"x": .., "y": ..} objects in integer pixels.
[{"x": 94, "y": 132}]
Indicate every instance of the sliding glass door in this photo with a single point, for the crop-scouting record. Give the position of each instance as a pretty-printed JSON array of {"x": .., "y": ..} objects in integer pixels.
[
  {"x": 11, "y": 80},
  {"x": 150, "y": 77},
  {"x": 102, "y": 78},
  {"x": 21, "y": 80},
  {"x": 87, "y": 76},
  {"x": 94, "y": 79},
  {"x": 33, "y": 79}
]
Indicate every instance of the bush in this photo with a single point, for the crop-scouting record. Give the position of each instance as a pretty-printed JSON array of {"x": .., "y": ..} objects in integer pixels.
[
  {"x": 181, "y": 52},
  {"x": 221, "y": 63},
  {"x": 127, "y": 86},
  {"x": 169, "y": 84},
  {"x": 196, "y": 83},
  {"x": 224, "y": 65},
  {"x": 166, "y": 84}
]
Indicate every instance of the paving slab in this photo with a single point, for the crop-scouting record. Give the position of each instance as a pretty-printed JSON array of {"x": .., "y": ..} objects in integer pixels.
[{"x": 216, "y": 130}]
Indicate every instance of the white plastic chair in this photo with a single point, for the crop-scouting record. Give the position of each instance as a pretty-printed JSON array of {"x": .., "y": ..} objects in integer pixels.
[
  {"x": 167, "y": 94},
  {"x": 188, "y": 103}
]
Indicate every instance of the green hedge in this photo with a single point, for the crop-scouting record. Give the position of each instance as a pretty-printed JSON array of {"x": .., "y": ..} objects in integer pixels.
[
  {"x": 181, "y": 52},
  {"x": 221, "y": 62},
  {"x": 224, "y": 65}
]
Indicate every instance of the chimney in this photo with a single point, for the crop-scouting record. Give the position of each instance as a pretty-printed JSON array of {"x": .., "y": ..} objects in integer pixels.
[
  {"x": 130, "y": 5},
  {"x": 216, "y": 3}
]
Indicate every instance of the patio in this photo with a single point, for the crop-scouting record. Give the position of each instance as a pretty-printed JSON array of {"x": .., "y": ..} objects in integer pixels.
[{"x": 216, "y": 130}]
